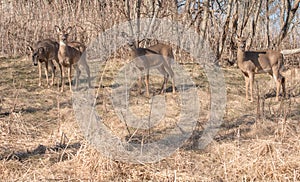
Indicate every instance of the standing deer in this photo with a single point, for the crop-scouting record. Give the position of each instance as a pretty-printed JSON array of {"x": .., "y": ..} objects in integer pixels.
[
  {"x": 45, "y": 51},
  {"x": 167, "y": 53},
  {"x": 158, "y": 56},
  {"x": 256, "y": 62},
  {"x": 70, "y": 56}
]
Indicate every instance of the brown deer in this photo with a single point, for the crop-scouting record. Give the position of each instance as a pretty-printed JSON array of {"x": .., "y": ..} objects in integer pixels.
[
  {"x": 45, "y": 51},
  {"x": 77, "y": 45},
  {"x": 167, "y": 53},
  {"x": 158, "y": 56},
  {"x": 70, "y": 55},
  {"x": 256, "y": 62}
]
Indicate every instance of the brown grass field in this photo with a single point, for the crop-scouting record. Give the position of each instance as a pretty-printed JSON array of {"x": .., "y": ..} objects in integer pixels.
[{"x": 40, "y": 139}]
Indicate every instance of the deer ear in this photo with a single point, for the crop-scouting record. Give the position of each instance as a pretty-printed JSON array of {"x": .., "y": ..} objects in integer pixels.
[
  {"x": 41, "y": 50},
  {"x": 29, "y": 50},
  {"x": 69, "y": 29},
  {"x": 57, "y": 29}
]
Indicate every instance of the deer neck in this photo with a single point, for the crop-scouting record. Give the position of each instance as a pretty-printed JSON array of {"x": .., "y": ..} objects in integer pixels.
[
  {"x": 62, "y": 43},
  {"x": 134, "y": 51},
  {"x": 62, "y": 47},
  {"x": 240, "y": 56}
]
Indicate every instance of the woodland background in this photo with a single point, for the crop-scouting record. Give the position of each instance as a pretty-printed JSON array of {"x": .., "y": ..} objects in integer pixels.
[{"x": 269, "y": 24}]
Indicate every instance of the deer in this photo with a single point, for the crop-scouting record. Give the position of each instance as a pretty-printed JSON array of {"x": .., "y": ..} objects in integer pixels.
[
  {"x": 259, "y": 62},
  {"x": 77, "y": 45},
  {"x": 45, "y": 51},
  {"x": 157, "y": 56},
  {"x": 167, "y": 53},
  {"x": 70, "y": 54}
]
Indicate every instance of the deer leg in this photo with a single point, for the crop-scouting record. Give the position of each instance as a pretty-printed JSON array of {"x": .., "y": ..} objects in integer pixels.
[
  {"x": 147, "y": 83},
  {"x": 280, "y": 81},
  {"x": 89, "y": 75},
  {"x": 53, "y": 72},
  {"x": 173, "y": 85},
  {"x": 166, "y": 77},
  {"x": 46, "y": 72},
  {"x": 251, "y": 80},
  {"x": 276, "y": 79},
  {"x": 60, "y": 69},
  {"x": 140, "y": 84},
  {"x": 283, "y": 86},
  {"x": 40, "y": 73},
  {"x": 87, "y": 69},
  {"x": 62, "y": 78},
  {"x": 78, "y": 72},
  {"x": 69, "y": 76},
  {"x": 164, "y": 85},
  {"x": 246, "y": 86},
  {"x": 171, "y": 73}
]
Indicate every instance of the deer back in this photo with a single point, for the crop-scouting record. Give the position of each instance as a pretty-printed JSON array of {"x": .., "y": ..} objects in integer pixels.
[
  {"x": 164, "y": 50},
  {"x": 77, "y": 45},
  {"x": 45, "y": 50},
  {"x": 275, "y": 57},
  {"x": 146, "y": 58}
]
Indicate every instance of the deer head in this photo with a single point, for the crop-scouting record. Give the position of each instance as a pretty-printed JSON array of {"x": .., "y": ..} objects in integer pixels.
[
  {"x": 63, "y": 34},
  {"x": 129, "y": 39},
  {"x": 241, "y": 42}
]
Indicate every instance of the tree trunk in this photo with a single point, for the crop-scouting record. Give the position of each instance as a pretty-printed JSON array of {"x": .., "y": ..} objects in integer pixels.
[
  {"x": 225, "y": 29},
  {"x": 203, "y": 23},
  {"x": 246, "y": 15},
  {"x": 254, "y": 22},
  {"x": 234, "y": 28},
  {"x": 155, "y": 10},
  {"x": 267, "y": 25},
  {"x": 290, "y": 14}
]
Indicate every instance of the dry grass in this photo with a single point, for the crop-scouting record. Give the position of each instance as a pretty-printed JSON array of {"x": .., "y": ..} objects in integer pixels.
[{"x": 41, "y": 141}]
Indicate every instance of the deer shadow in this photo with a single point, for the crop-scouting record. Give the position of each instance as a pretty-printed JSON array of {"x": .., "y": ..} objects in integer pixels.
[{"x": 38, "y": 151}]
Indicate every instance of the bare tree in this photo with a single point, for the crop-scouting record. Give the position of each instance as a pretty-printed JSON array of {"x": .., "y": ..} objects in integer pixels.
[
  {"x": 24, "y": 22},
  {"x": 268, "y": 41},
  {"x": 287, "y": 17}
]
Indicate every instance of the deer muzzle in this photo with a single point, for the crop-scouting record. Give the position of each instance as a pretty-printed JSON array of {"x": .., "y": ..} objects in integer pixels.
[{"x": 35, "y": 60}]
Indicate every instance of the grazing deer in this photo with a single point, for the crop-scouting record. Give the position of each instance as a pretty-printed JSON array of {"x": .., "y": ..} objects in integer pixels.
[
  {"x": 158, "y": 56},
  {"x": 256, "y": 62},
  {"x": 69, "y": 54},
  {"x": 45, "y": 51}
]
